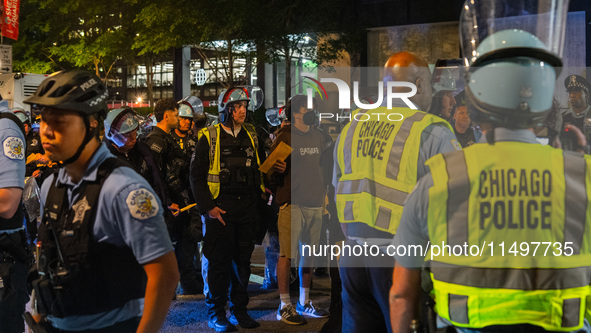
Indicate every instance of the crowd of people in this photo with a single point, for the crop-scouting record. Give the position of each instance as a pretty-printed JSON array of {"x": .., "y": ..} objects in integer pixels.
[{"x": 131, "y": 219}]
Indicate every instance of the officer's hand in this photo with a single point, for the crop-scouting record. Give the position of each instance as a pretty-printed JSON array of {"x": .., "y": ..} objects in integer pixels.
[
  {"x": 280, "y": 166},
  {"x": 174, "y": 208},
  {"x": 216, "y": 213},
  {"x": 43, "y": 159},
  {"x": 581, "y": 139}
]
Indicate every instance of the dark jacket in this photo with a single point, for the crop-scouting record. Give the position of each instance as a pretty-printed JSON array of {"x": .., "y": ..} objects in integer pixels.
[
  {"x": 142, "y": 161},
  {"x": 170, "y": 160}
]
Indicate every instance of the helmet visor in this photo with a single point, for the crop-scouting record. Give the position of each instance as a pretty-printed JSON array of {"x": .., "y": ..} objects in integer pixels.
[
  {"x": 544, "y": 19},
  {"x": 127, "y": 139},
  {"x": 273, "y": 117},
  {"x": 195, "y": 104},
  {"x": 256, "y": 97}
]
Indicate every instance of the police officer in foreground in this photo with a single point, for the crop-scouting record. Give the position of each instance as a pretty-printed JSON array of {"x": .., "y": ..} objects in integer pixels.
[
  {"x": 14, "y": 262},
  {"x": 377, "y": 163},
  {"x": 500, "y": 200},
  {"x": 226, "y": 184},
  {"x": 106, "y": 261}
]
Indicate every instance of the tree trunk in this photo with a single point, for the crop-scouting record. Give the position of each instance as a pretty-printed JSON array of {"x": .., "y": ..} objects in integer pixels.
[
  {"x": 150, "y": 77},
  {"x": 96, "y": 63},
  {"x": 287, "y": 73},
  {"x": 230, "y": 64},
  {"x": 261, "y": 52}
]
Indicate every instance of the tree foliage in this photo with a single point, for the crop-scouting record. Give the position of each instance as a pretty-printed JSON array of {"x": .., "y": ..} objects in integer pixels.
[{"x": 94, "y": 35}]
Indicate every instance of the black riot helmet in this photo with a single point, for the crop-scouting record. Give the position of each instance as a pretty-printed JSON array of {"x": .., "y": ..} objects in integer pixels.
[{"x": 74, "y": 90}]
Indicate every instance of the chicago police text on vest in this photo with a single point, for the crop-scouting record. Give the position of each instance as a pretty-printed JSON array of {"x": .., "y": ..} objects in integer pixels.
[
  {"x": 515, "y": 198},
  {"x": 373, "y": 137}
]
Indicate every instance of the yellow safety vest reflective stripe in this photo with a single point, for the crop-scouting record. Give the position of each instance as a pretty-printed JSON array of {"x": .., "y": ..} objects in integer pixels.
[
  {"x": 212, "y": 133},
  {"x": 501, "y": 203},
  {"x": 378, "y": 158}
]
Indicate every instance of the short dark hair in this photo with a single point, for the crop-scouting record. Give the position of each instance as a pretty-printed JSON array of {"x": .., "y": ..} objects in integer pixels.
[
  {"x": 294, "y": 105},
  {"x": 163, "y": 105},
  {"x": 437, "y": 105}
]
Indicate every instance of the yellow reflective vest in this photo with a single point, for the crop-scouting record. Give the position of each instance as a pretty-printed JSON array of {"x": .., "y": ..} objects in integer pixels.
[
  {"x": 521, "y": 213},
  {"x": 377, "y": 157},
  {"x": 212, "y": 133}
]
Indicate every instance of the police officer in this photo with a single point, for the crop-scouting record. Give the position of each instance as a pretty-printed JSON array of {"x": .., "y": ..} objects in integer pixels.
[
  {"x": 121, "y": 133},
  {"x": 226, "y": 185},
  {"x": 444, "y": 89},
  {"x": 578, "y": 98},
  {"x": 188, "y": 231},
  {"x": 190, "y": 108},
  {"x": 33, "y": 145},
  {"x": 14, "y": 262},
  {"x": 168, "y": 155},
  {"x": 507, "y": 196},
  {"x": 99, "y": 219},
  {"x": 374, "y": 171}
]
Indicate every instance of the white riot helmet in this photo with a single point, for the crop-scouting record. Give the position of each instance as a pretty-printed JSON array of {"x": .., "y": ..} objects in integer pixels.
[
  {"x": 21, "y": 114},
  {"x": 253, "y": 95},
  {"x": 275, "y": 116},
  {"x": 190, "y": 107},
  {"x": 118, "y": 123},
  {"x": 447, "y": 76},
  {"x": 513, "y": 49}
]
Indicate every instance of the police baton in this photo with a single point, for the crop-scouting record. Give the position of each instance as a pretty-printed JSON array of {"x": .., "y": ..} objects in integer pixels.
[
  {"x": 187, "y": 207},
  {"x": 33, "y": 325}
]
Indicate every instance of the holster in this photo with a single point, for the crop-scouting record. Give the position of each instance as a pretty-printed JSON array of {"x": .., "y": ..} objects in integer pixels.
[
  {"x": 15, "y": 245},
  {"x": 6, "y": 267},
  {"x": 13, "y": 249}
]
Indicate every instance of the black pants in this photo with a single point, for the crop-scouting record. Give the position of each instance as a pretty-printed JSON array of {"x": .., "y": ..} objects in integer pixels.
[
  {"x": 14, "y": 296},
  {"x": 226, "y": 254},
  {"x": 187, "y": 236},
  {"x": 12, "y": 306},
  {"x": 365, "y": 293}
]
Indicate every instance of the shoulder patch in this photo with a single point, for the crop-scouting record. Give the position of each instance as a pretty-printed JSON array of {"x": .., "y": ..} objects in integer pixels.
[
  {"x": 456, "y": 144},
  {"x": 156, "y": 147},
  {"x": 14, "y": 148},
  {"x": 142, "y": 204}
]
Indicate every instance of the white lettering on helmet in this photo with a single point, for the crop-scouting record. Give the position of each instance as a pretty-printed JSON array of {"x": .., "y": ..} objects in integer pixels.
[
  {"x": 88, "y": 84},
  {"x": 99, "y": 99}
]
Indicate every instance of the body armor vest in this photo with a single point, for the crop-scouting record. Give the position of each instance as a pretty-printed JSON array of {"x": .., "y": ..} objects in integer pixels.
[
  {"x": 238, "y": 164},
  {"x": 80, "y": 276}
]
